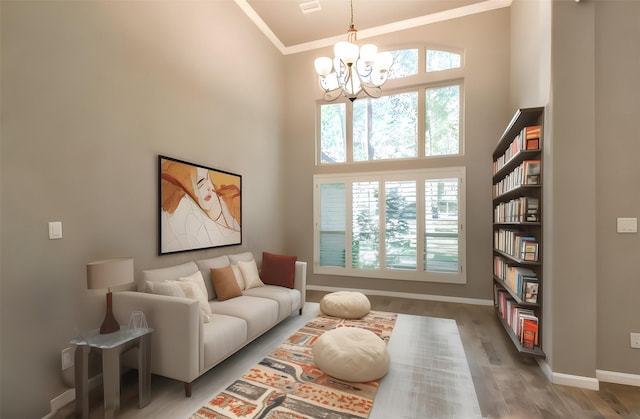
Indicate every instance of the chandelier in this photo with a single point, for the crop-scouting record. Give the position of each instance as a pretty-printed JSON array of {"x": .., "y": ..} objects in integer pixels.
[{"x": 354, "y": 71}]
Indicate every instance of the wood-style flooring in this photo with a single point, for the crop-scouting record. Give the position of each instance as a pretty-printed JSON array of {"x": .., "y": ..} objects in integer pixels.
[{"x": 508, "y": 385}]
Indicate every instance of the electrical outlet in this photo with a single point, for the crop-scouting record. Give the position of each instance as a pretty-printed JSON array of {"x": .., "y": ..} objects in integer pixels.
[
  {"x": 67, "y": 358},
  {"x": 635, "y": 340}
]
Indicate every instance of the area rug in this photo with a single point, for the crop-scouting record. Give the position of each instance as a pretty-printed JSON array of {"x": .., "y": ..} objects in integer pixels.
[{"x": 287, "y": 384}]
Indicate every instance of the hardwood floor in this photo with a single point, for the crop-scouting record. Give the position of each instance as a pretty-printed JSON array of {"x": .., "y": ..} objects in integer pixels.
[{"x": 507, "y": 384}]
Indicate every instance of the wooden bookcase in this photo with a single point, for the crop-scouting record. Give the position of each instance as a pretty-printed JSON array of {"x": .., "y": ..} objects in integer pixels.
[{"x": 517, "y": 230}]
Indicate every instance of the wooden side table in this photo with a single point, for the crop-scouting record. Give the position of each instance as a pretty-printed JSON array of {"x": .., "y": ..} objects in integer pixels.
[{"x": 111, "y": 346}]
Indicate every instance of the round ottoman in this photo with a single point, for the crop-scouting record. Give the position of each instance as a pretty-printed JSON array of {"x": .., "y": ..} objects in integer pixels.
[
  {"x": 351, "y": 354},
  {"x": 345, "y": 304}
]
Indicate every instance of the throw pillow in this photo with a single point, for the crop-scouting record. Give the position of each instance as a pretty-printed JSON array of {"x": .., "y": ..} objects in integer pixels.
[
  {"x": 165, "y": 288},
  {"x": 225, "y": 284},
  {"x": 238, "y": 275},
  {"x": 278, "y": 269},
  {"x": 250, "y": 274},
  {"x": 197, "y": 279},
  {"x": 191, "y": 290}
]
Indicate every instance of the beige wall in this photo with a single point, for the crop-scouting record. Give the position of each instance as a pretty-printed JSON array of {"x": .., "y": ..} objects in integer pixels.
[
  {"x": 573, "y": 207},
  {"x": 487, "y": 112},
  {"x": 617, "y": 108},
  {"x": 590, "y": 174},
  {"x": 92, "y": 92}
]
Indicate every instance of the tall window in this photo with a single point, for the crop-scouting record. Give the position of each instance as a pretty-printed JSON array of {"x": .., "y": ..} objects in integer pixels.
[
  {"x": 420, "y": 121},
  {"x": 398, "y": 225},
  {"x": 404, "y": 224}
]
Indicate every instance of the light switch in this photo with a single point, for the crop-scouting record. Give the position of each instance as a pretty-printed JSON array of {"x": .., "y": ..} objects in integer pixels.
[
  {"x": 55, "y": 230},
  {"x": 627, "y": 225}
]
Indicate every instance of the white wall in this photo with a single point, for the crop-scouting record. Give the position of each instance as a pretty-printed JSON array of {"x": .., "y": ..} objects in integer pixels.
[{"x": 92, "y": 92}]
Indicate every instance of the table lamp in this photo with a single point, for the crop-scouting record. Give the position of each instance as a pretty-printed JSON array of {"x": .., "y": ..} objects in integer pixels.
[{"x": 106, "y": 274}]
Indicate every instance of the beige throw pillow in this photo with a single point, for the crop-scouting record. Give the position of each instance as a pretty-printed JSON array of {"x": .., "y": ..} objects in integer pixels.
[
  {"x": 225, "y": 284},
  {"x": 165, "y": 288},
  {"x": 238, "y": 275},
  {"x": 250, "y": 274}
]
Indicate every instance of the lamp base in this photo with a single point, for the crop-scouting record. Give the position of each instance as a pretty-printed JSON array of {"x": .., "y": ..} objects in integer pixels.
[{"x": 109, "y": 325}]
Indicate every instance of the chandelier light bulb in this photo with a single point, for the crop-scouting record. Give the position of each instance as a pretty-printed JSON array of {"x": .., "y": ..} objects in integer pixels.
[
  {"x": 383, "y": 62},
  {"x": 347, "y": 52},
  {"x": 368, "y": 53},
  {"x": 323, "y": 65}
]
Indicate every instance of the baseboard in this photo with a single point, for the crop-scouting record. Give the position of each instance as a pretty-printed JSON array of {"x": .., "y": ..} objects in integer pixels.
[
  {"x": 426, "y": 297},
  {"x": 587, "y": 383},
  {"x": 618, "y": 378},
  {"x": 61, "y": 401}
]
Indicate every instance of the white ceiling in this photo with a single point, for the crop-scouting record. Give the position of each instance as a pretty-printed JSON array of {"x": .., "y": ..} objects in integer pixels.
[{"x": 291, "y": 30}]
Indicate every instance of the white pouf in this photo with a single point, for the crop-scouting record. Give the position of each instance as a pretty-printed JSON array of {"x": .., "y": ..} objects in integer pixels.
[
  {"x": 351, "y": 354},
  {"x": 345, "y": 304}
]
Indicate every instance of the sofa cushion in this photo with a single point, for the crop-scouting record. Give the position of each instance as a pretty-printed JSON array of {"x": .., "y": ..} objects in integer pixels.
[
  {"x": 288, "y": 299},
  {"x": 278, "y": 269},
  {"x": 241, "y": 257},
  {"x": 205, "y": 265},
  {"x": 223, "y": 336},
  {"x": 250, "y": 274},
  {"x": 261, "y": 316},
  {"x": 224, "y": 283}
]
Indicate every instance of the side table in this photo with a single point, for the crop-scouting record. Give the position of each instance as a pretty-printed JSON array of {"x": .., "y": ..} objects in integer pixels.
[{"x": 111, "y": 346}]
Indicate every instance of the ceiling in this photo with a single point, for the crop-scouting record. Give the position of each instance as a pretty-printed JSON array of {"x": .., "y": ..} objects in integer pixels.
[{"x": 292, "y": 31}]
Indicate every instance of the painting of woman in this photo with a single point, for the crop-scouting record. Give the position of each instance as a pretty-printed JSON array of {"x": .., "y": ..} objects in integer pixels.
[{"x": 200, "y": 207}]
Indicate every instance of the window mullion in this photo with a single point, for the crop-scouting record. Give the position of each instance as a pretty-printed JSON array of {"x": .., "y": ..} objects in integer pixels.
[
  {"x": 349, "y": 131},
  {"x": 348, "y": 223},
  {"x": 382, "y": 221},
  {"x": 422, "y": 109},
  {"x": 420, "y": 224}
]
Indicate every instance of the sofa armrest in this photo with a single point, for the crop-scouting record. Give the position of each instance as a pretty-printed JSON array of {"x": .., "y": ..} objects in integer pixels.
[
  {"x": 300, "y": 282},
  {"x": 177, "y": 337}
]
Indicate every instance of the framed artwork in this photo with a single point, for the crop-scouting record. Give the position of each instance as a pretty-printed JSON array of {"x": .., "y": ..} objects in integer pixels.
[{"x": 200, "y": 207}]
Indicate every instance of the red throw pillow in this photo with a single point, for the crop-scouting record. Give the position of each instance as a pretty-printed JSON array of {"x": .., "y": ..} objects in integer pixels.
[{"x": 278, "y": 269}]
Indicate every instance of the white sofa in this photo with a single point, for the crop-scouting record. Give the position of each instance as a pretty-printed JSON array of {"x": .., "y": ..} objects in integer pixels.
[{"x": 186, "y": 343}]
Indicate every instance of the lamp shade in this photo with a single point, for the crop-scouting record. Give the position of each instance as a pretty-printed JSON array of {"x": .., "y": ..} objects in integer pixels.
[{"x": 109, "y": 273}]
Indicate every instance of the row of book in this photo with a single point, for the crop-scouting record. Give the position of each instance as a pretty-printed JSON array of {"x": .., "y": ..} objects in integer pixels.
[
  {"x": 521, "y": 320},
  {"x": 522, "y": 282},
  {"x": 527, "y": 139},
  {"x": 523, "y": 209},
  {"x": 517, "y": 244},
  {"x": 527, "y": 173}
]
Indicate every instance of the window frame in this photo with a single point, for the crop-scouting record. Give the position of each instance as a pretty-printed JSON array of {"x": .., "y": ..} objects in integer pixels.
[
  {"x": 420, "y": 176},
  {"x": 421, "y": 90}
]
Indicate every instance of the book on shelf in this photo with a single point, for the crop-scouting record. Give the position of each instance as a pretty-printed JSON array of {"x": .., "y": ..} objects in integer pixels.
[
  {"x": 531, "y": 175},
  {"x": 530, "y": 290},
  {"x": 532, "y": 206},
  {"x": 531, "y": 137},
  {"x": 529, "y": 331},
  {"x": 529, "y": 251}
]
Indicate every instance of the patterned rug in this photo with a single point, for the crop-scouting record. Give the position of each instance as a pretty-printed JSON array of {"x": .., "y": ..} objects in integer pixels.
[{"x": 287, "y": 384}]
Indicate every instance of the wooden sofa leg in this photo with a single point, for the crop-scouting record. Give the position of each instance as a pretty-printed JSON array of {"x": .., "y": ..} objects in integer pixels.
[
  {"x": 300, "y": 311},
  {"x": 187, "y": 389}
]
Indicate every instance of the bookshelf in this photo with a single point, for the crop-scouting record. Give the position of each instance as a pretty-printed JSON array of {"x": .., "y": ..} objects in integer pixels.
[{"x": 517, "y": 230}]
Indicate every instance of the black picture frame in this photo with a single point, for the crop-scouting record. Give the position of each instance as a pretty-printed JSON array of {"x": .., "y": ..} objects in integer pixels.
[{"x": 199, "y": 207}]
